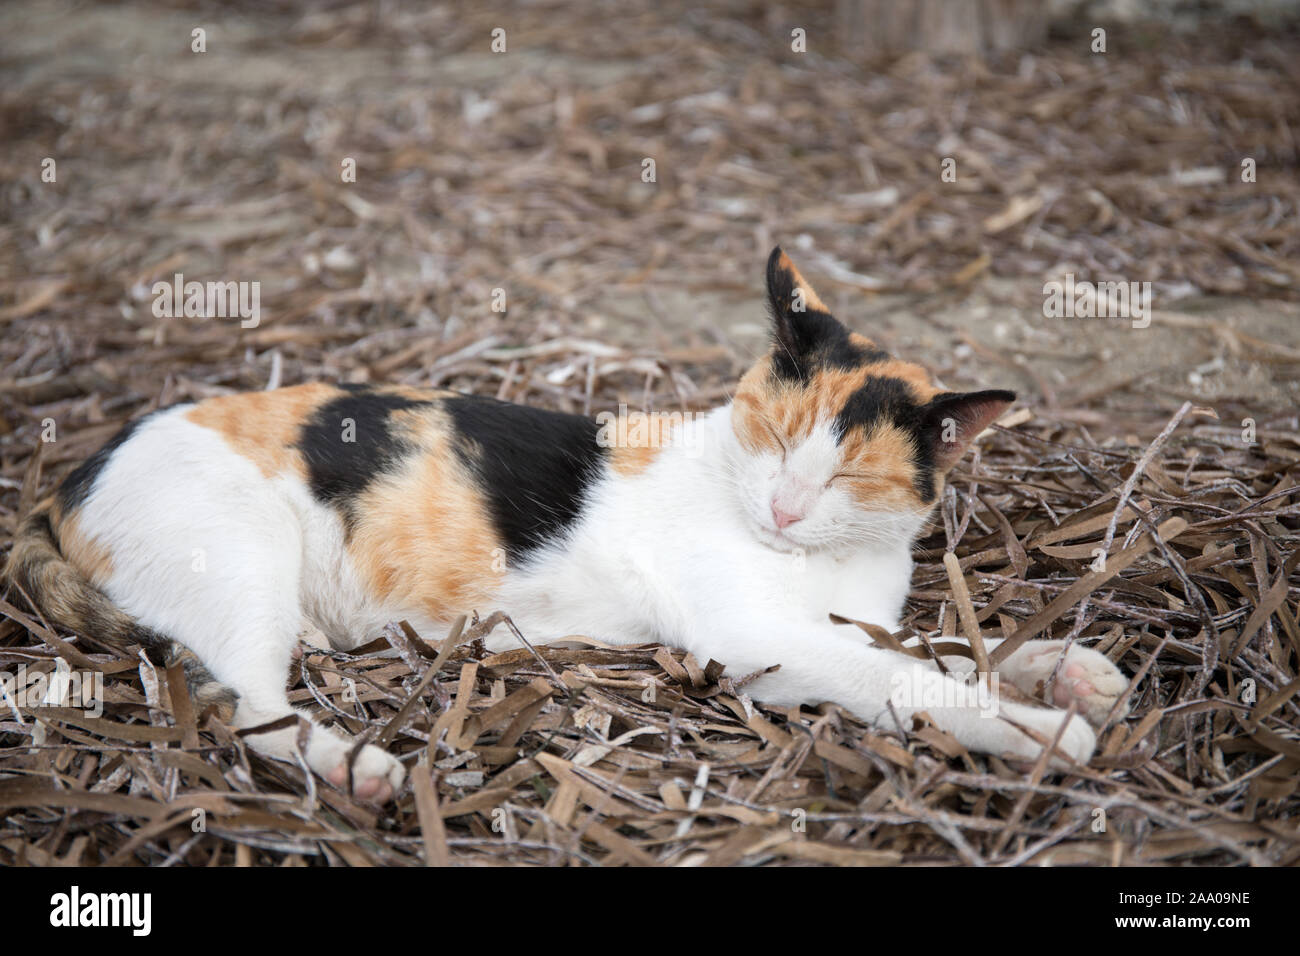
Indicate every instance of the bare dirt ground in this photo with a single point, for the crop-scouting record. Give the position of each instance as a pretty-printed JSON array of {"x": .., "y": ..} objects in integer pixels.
[{"x": 523, "y": 171}]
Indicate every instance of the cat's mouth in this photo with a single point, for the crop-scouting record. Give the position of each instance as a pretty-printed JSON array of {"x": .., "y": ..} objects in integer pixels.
[{"x": 776, "y": 540}]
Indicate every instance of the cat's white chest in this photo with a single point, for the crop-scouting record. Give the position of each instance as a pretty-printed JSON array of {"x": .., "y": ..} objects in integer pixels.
[{"x": 869, "y": 586}]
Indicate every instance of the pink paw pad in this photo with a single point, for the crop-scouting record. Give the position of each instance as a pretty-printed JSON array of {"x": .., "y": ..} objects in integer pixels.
[
  {"x": 370, "y": 789},
  {"x": 1067, "y": 687},
  {"x": 1087, "y": 679}
]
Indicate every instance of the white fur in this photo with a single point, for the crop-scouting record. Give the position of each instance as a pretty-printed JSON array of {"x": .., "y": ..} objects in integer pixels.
[{"x": 208, "y": 551}]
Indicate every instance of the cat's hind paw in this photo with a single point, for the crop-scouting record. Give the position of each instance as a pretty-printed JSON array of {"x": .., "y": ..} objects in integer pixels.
[{"x": 376, "y": 775}]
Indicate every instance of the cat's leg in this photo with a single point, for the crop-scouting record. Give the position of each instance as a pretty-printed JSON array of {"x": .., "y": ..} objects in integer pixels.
[
  {"x": 1086, "y": 676},
  {"x": 226, "y": 586},
  {"x": 269, "y": 617},
  {"x": 243, "y": 621},
  {"x": 879, "y": 685}
]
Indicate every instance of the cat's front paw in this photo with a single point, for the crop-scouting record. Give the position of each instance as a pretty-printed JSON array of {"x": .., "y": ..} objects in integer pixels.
[
  {"x": 1086, "y": 676},
  {"x": 376, "y": 775},
  {"x": 1077, "y": 741}
]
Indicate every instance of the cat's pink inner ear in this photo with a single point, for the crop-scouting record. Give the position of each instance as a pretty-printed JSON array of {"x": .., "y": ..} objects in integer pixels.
[{"x": 958, "y": 419}]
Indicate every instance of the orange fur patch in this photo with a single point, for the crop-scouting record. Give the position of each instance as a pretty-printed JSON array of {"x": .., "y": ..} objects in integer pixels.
[
  {"x": 264, "y": 426},
  {"x": 878, "y": 468},
  {"x": 635, "y": 439},
  {"x": 424, "y": 536},
  {"x": 84, "y": 553}
]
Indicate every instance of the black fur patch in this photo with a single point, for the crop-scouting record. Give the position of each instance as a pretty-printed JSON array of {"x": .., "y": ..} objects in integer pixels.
[
  {"x": 804, "y": 341},
  {"x": 533, "y": 466},
  {"x": 339, "y": 470},
  {"x": 889, "y": 401},
  {"x": 76, "y": 487}
]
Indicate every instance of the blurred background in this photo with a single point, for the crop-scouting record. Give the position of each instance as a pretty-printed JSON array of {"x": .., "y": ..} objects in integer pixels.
[{"x": 1103, "y": 140}]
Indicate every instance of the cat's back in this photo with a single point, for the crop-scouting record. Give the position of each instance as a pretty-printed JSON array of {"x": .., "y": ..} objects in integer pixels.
[
  {"x": 340, "y": 440},
  {"x": 413, "y": 491}
]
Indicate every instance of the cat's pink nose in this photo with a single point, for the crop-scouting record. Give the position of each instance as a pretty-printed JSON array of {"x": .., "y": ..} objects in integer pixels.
[{"x": 783, "y": 519}]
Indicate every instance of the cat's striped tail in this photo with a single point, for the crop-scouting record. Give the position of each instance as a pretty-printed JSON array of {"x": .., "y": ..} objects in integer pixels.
[{"x": 38, "y": 568}]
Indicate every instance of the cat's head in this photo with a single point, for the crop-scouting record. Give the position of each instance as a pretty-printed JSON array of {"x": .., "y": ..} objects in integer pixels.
[{"x": 839, "y": 444}]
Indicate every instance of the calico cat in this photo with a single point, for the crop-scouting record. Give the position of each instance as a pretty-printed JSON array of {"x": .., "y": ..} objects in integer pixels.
[{"x": 215, "y": 532}]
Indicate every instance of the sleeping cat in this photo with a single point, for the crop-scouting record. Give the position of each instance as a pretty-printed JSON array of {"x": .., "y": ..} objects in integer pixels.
[{"x": 216, "y": 532}]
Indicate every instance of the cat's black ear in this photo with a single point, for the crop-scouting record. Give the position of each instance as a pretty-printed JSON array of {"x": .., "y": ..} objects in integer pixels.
[
  {"x": 801, "y": 323},
  {"x": 952, "y": 421}
]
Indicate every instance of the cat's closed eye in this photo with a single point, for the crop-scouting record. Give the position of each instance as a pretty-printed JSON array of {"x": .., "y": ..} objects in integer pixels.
[{"x": 776, "y": 437}]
